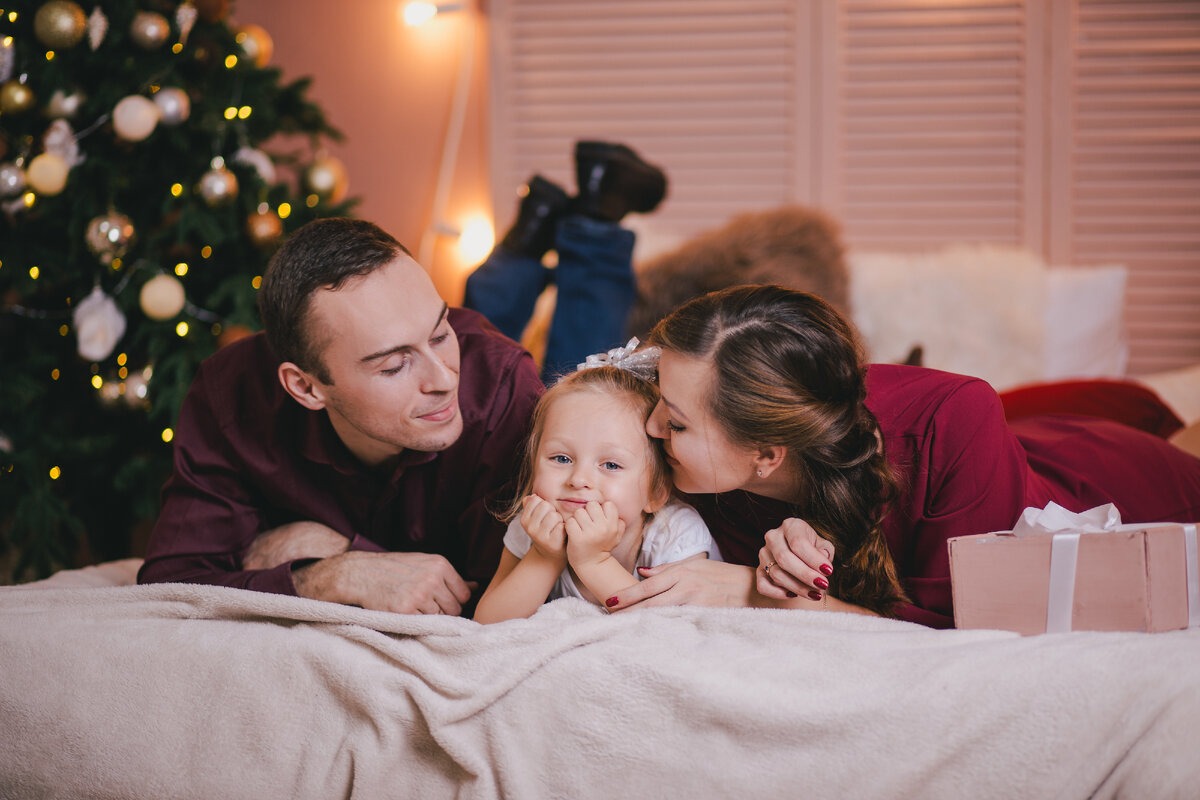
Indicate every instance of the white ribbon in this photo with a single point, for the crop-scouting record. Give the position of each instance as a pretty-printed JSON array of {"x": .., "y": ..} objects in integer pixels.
[
  {"x": 1193, "y": 575},
  {"x": 643, "y": 363}
]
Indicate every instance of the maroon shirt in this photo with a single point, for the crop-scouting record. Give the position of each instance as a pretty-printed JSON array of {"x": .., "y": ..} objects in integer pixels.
[
  {"x": 249, "y": 458},
  {"x": 965, "y": 470}
]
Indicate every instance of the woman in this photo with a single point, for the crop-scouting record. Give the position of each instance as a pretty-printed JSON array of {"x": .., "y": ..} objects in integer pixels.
[{"x": 772, "y": 423}]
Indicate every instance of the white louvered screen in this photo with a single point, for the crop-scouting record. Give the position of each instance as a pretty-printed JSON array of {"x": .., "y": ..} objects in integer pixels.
[
  {"x": 933, "y": 142},
  {"x": 714, "y": 91},
  {"x": 1134, "y": 192}
]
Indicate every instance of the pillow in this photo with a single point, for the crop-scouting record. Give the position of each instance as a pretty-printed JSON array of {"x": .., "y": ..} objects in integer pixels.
[{"x": 1119, "y": 400}]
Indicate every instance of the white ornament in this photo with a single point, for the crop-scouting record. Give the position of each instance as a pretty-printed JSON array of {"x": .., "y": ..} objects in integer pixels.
[
  {"x": 173, "y": 105},
  {"x": 135, "y": 117},
  {"x": 97, "y": 27},
  {"x": 149, "y": 30},
  {"x": 259, "y": 161},
  {"x": 185, "y": 18},
  {"x": 12, "y": 179},
  {"x": 6, "y": 444},
  {"x": 47, "y": 173},
  {"x": 8, "y": 58},
  {"x": 162, "y": 297},
  {"x": 64, "y": 105},
  {"x": 60, "y": 140},
  {"x": 218, "y": 186},
  {"x": 99, "y": 325}
]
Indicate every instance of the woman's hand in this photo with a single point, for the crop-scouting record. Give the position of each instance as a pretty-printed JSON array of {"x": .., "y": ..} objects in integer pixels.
[
  {"x": 794, "y": 561},
  {"x": 544, "y": 524},
  {"x": 592, "y": 533},
  {"x": 692, "y": 581}
]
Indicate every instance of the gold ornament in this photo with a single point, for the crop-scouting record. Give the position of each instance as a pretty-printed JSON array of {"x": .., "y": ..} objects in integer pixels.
[
  {"x": 134, "y": 117},
  {"x": 218, "y": 186},
  {"x": 15, "y": 97},
  {"x": 256, "y": 43},
  {"x": 327, "y": 179},
  {"x": 162, "y": 297},
  {"x": 60, "y": 24},
  {"x": 47, "y": 173},
  {"x": 264, "y": 227},
  {"x": 149, "y": 30},
  {"x": 109, "y": 236}
]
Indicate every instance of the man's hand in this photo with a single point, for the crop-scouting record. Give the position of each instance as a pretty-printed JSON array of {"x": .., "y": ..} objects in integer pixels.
[
  {"x": 592, "y": 533},
  {"x": 293, "y": 541},
  {"x": 404, "y": 583},
  {"x": 544, "y": 524}
]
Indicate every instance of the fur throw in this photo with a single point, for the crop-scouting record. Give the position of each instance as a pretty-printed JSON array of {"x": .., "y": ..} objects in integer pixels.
[{"x": 793, "y": 246}]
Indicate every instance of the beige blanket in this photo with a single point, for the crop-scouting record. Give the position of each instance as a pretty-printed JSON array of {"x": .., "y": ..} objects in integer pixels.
[{"x": 186, "y": 691}]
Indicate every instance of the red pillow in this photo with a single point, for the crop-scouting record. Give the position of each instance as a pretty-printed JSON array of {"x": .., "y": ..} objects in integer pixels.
[{"x": 1123, "y": 401}]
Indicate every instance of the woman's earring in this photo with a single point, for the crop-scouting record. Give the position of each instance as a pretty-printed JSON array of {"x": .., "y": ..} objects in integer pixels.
[{"x": 758, "y": 473}]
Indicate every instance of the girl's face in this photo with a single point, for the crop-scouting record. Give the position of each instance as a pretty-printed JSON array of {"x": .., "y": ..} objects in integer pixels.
[
  {"x": 594, "y": 447},
  {"x": 702, "y": 458}
]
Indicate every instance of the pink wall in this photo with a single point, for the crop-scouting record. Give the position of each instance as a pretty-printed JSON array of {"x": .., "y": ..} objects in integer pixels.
[{"x": 388, "y": 88}]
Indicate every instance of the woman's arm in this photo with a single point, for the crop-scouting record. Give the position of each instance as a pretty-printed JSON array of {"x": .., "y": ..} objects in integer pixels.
[{"x": 520, "y": 586}]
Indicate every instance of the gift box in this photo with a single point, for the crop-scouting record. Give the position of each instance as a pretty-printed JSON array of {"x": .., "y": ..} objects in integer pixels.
[{"x": 1076, "y": 575}]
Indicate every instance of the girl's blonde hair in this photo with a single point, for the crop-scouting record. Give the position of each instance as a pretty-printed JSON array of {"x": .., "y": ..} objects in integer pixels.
[{"x": 642, "y": 397}]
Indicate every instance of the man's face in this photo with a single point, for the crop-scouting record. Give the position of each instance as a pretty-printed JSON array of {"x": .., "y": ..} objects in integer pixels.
[{"x": 393, "y": 362}]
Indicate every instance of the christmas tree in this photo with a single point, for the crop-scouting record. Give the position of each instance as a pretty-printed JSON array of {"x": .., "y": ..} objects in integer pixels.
[{"x": 150, "y": 161}]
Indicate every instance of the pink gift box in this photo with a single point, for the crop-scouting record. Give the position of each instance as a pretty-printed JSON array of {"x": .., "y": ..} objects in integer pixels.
[{"x": 1135, "y": 578}]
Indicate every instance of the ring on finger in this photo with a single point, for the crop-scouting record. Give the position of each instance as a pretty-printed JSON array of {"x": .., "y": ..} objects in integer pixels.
[{"x": 767, "y": 569}]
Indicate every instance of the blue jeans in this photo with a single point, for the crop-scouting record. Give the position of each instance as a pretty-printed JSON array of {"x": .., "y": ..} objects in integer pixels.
[{"x": 596, "y": 289}]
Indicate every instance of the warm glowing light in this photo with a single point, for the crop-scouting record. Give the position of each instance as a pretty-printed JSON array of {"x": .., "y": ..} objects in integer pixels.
[
  {"x": 29, "y": 198},
  {"x": 476, "y": 240},
  {"x": 285, "y": 210},
  {"x": 181, "y": 329},
  {"x": 12, "y": 17},
  {"x": 230, "y": 61},
  {"x": 177, "y": 48},
  {"x": 205, "y": 252},
  {"x": 231, "y": 112},
  {"x": 243, "y": 112},
  {"x": 64, "y": 329},
  {"x": 256, "y": 281},
  {"x": 181, "y": 268},
  {"x": 123, "y": 373},
  {"x": 176, "y": 189},
  {"x": 168, "y": 435},
  {"x": 55, "y": 472},
  {"x": 97, "y": 381},
  {"x": 54, "y": 374},
  {"x": 49, "y": 55},
  {"x": 311, "y": 201},
  {"x": 418, "y": 13},
  {"x": 8, "y": 41},
  {"x": 116, "y": 264},
  {"x": 122, "y": 359},
  {"x": 34, "y": 272}
]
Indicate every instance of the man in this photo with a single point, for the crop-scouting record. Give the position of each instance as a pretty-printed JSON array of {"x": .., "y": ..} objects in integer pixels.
[{"x": 352, "y": 452}]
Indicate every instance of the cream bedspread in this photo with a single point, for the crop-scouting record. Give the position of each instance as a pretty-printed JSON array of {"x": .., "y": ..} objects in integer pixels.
[{"x": 187, "y": 691}]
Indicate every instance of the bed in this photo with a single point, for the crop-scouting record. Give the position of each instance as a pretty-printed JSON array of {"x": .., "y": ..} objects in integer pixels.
[{"x": 123, "y": 691}]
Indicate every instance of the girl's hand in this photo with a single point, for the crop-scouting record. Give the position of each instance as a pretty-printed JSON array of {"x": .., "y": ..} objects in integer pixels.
[
  {"x": 794, "y": 560},
  {"x": 592, "y": 532},
  {"x": 544, "y": 524}
]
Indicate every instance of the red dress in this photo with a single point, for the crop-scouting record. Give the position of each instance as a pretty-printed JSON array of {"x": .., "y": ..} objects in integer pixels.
[{"x": 964, "y": 469}]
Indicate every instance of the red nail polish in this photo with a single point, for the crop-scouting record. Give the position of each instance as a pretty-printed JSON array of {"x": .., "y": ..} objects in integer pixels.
[
  {"x": 828, "y": 570},
  {"x": 814, "y": 596},
  {"x": 820, "y": 583},
  {"x": 612, "y": 601}
]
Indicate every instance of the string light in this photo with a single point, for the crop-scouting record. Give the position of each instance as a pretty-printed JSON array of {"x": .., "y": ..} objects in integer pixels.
[
  {"x": 55, "y": 472},
  {"x": 231, "y": 112},
  {"x": 54, "y": 374},
  {"x": 176, "y": 189},
  {"x": 256, "y": 281},
  {"x": 177, "y": 48},
  {"x": 285, "y": 210},
  {"x": 311, "y": 201},
  {"x": 181, "y": 329},
  {"x": 122, "y": 358},
  {"x": 49, "y": 55},
  {"x": 97, "y": 382},
  {"x": 181, "y": 269},
  {"x": 63, "y": 330},
  {"x": 205, "y": 252},
  {"x": 230, "y": 61},
  {"x": 35, "y": 272},
  {"x": 243, "y": 112},
  {"x": 168, "y": 435}
]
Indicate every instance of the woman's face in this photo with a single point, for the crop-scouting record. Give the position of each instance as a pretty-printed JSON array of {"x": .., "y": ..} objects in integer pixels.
[{"x": 701, "y": 457}]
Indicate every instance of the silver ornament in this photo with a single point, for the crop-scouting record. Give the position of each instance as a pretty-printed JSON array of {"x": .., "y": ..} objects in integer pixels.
[
  {"x": 8, "y": 58},
  {"x": 97, "y": 28},
  {"x": 109, "y": 236},
  {"x": 60, "y": 140},
  {"x": 218, "y": 186},
  {"x": 12, "y": 179},
  {"x": 257, "y": 160},
  {"x": 149, "y": 30},
  {"x": 185, "y": 18},
  {"x": 173, "y": 105}
]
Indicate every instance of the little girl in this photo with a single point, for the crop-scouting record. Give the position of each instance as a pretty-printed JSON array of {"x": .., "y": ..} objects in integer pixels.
[{"x": 594, "y": 496}]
